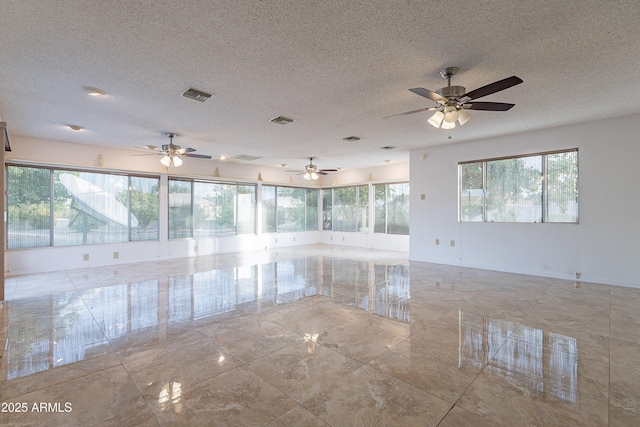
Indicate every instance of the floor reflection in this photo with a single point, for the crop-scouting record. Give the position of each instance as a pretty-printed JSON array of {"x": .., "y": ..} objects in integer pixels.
[
  {"x": 60, "y": 329},
  {"x": 75, "y": 325},
  {"x": 549, "y": 361}
]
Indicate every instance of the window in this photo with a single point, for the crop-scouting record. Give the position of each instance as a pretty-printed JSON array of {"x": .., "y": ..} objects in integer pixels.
[
  {"x": 346, "y": 209},
  {"x": 536, "y": 188},
  {"x": 204, "y": 209},
  {"x": 269, "y": 218},
  {"x": 59, "y": 207},
  {"x": 391, "y": 208},
  {"x": 180, "y": 209},
  {"x": 289, "y": 209}
]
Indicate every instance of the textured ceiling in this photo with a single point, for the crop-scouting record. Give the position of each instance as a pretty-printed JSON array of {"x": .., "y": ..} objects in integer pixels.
[{"x": 335, "y": 67}]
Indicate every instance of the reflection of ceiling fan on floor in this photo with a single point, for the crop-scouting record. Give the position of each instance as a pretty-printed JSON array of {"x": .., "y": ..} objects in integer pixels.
[
  {"x": 453, "y": 102},
  {"x": 311, "y": 171},
  {"x": 171, "y": 153}
]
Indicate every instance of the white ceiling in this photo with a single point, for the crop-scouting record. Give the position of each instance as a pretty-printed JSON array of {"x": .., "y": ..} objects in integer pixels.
[{"x": 335, "y": 67}]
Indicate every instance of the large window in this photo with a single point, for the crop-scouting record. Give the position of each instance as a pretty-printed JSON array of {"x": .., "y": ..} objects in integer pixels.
[
  {"x": 391, "y": 208},
  {"x": 58, "y": 207},
  {"x": 210, "y": 209},
  {"x": 536, "y": 188},
  {"x": 289, "y": 209},
  {"x": 346, "y": 209}
]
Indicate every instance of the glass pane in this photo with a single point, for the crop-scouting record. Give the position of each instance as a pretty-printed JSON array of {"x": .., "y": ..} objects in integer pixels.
[
  {"x": 29, "y": 207},
  {"x": 268, "y": 209},
  {"x": 363, "y": 208},
  {"x": 380, "y": 208},
  {"x": 398, "y": 208},
  {"x": 562, "y": 187},
  {"x": 246, "y": 209},
  {"x": 327, "y": 223},
  {"x": 179, "y": 209},
  {"x": 345, "y": 209},
  {"x": 471, "y": 192},
  {"x": 514, "y": 190},
  {"x": 291, "y": 209},
  {"x": 144, "y": 208},
  {"x": 312, "y": 209},
  {"x": 214, "y": 209},
  {"x": 93, "y": 208}
]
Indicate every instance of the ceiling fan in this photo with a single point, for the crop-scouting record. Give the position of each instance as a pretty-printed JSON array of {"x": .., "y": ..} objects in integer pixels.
[
  {"x": 453, "y": 102},
  {"x": 172, "y": 153},
  {"x": 311, "y": 171}
]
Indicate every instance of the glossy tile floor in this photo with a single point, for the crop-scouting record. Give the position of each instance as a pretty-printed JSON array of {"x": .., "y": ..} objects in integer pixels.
[{"x": 316, "y": 336}]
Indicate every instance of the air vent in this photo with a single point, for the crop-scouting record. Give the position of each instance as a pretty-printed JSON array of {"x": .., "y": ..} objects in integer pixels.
[
  {"x": 351, "y": 138},
  {"x": 388, "y": 147},
  {"x": 245, "y": 157},
  {"x": 281, "y": 120},
  {"x": 196, "y": 94}
]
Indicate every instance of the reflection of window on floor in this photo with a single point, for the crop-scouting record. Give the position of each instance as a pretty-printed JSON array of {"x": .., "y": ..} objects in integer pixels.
[
  {"x": 548, "y": 361},
  {"x": 78, "y": 327}
]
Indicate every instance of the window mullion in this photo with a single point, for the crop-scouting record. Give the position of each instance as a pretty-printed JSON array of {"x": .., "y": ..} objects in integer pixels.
[
  {"x": 51, "y": 205},
  {"x": 545, "y": 196}
]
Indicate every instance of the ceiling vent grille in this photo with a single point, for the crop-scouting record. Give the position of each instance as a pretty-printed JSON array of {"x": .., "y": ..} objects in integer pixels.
[
  {"x": 245, "y": 157},
  {"x": 351, "y": 138},
  {"x": 196, "y": 94},
  {"x": 281, "y": 120}
]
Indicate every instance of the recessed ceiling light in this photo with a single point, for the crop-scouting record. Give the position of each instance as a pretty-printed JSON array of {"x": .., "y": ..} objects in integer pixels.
[
  {"x": 281, "y": 120},
  {"x": 388, "y": 147},
  {"x": 387, "y": 161},
  {"x": 284, "y": 165},
  {"x": 93, "y": 91},
  {"x": 75, "y": 127},
  {"x": 351, "y": 138},
  {"x": 223, "y": 157}
]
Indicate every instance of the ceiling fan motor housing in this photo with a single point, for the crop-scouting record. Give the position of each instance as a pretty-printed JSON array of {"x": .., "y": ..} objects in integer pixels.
[{"x": 451, "y": 91}]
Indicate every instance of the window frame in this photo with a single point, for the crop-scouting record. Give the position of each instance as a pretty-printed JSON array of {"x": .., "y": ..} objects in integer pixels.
[
  {"x": 192, "y": 219},
  {"x": 544, "y": 177},
  {"x": 52, "y": 169}
]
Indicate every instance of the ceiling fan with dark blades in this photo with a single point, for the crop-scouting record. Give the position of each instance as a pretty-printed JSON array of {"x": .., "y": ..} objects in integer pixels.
[
  {"x": 172, "y": 153},
  {"x": 311, "y": 171},
  {"x": 453, "y": 102}
]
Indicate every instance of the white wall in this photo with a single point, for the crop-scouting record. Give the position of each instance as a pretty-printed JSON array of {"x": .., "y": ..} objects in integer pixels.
[
  {"x": 49, "y": 152},
  {"x": 604, "y": 247}
]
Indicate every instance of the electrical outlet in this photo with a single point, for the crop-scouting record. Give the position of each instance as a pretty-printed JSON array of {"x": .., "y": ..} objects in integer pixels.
[
  {"x": 195, "y": 248},
  {"x": 116, "y": 255},
  {"x": 294, "y": 238},
  {"x": 453, "y": 242},
  {"x": 85, "y": 257},
  {"x": 437, "y": 241},
  {"x": 422, "y": 197}
]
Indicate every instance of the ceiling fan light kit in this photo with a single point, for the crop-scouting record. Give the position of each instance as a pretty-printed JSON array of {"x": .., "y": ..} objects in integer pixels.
[
  {"x": 311, "y": 171},
  {"x": 172, "y": 154},
  {"x": 453, "y": 101}
]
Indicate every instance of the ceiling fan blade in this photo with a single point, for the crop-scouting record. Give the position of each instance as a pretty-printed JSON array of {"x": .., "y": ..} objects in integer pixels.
[
  {"x": 429, "y": 94},
  {"x": 198, "y": 156},
  {"x": 487, "y": 106},
  {"x": 148, "y": 147},
  {"x": 413, "y": 111},
  {"x": 149, "y": 154},
  {"x": 186, "y": 150},
  {"x": 328, "y": 170},
  {"x": 493, "y": 87},
  {"x": 165, "y": 147}
]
